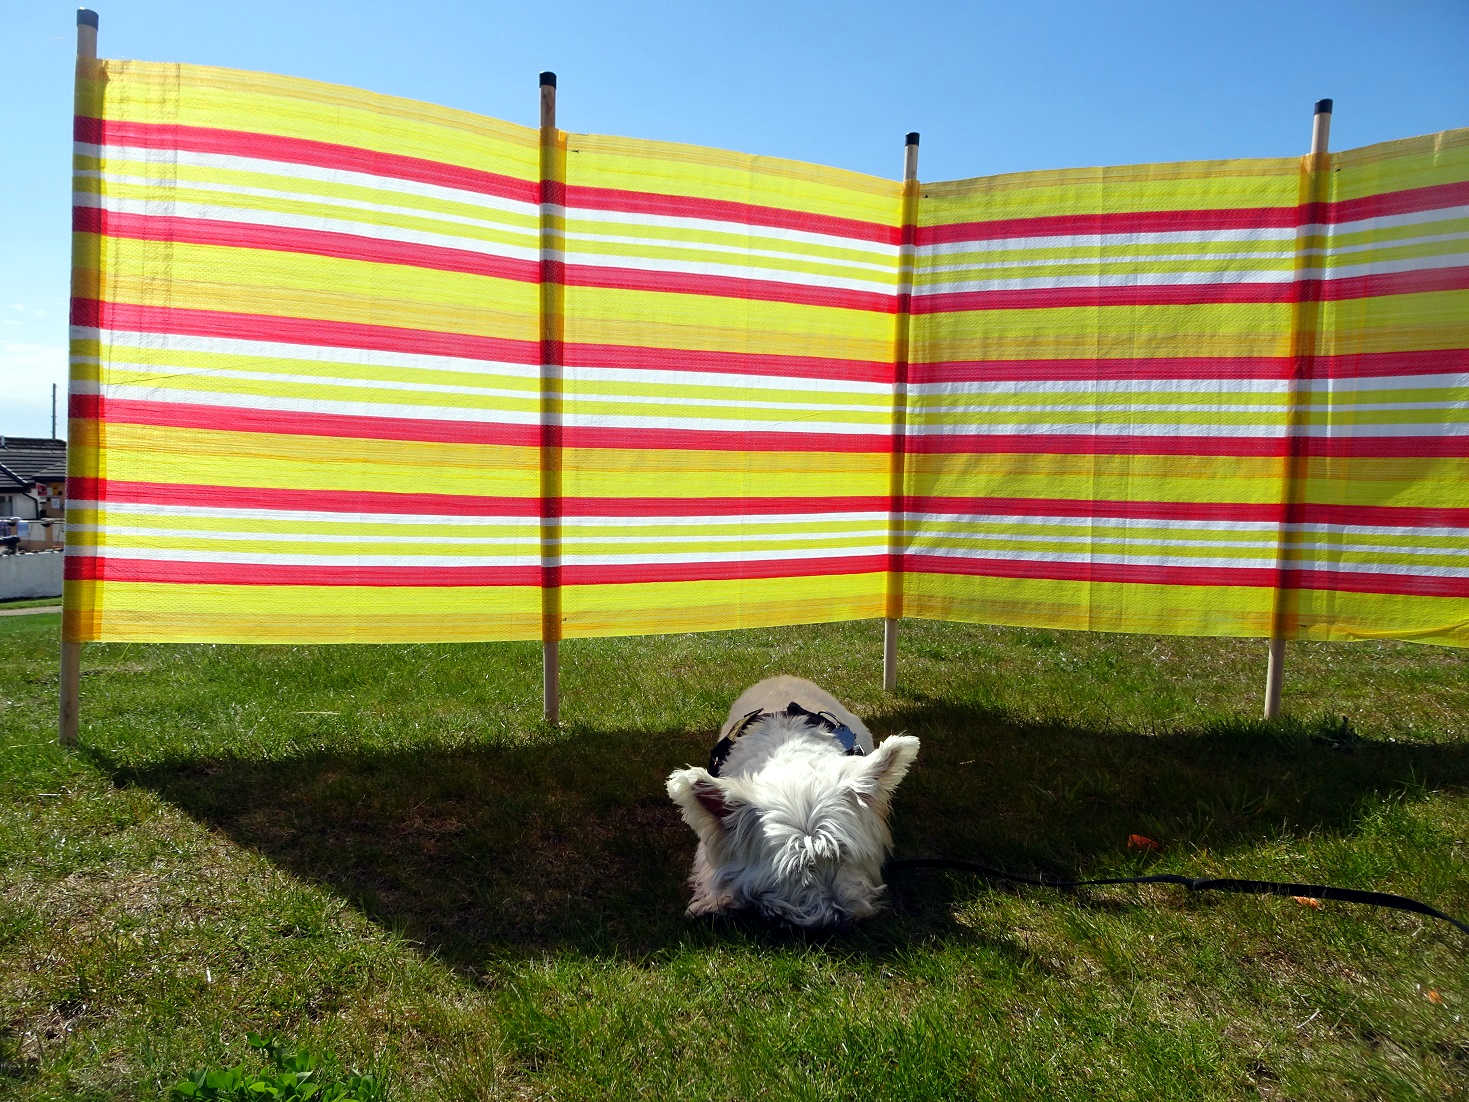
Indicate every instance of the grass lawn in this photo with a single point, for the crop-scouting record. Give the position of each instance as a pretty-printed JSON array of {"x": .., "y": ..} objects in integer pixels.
[{"x": 383, "y": 852}]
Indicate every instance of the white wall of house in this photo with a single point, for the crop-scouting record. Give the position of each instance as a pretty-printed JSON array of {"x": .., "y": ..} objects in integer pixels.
[
  {"x": 16, "y": 504},
  {"x": 37, "y": 575}
]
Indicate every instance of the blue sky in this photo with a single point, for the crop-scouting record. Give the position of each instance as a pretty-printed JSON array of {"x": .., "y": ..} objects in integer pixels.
[{"x": 992, "y": 88}]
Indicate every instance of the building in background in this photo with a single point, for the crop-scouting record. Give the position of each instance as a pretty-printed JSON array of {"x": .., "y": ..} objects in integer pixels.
[{"x": 33, "y": 489}]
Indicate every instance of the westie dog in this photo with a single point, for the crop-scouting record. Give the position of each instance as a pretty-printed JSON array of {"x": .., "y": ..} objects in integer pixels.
[{"x": 792, "y": 812}]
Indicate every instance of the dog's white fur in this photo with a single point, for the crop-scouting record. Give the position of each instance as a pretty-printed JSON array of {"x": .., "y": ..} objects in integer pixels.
[{"x": 792, "y": 827}]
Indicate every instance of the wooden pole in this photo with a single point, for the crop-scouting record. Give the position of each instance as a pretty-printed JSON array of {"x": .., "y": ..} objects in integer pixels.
[
  {"x": 69, "y": 716},
  {"x": 551, "y": 330},
  {"x": 1275, "y": 669},
  {"x": 900, "y": 416}
]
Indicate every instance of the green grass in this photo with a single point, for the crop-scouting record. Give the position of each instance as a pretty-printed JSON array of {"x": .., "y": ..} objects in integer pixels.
[{"x": 382, "y": 852}]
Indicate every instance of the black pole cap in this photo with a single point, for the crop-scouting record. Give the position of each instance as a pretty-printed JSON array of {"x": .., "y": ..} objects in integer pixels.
[
  {"x": 912, "y": 138},
  {"x": 86, "y": 17},
  {"x": 1323, "y": 107},
  {"x": 548, "y": 80}
]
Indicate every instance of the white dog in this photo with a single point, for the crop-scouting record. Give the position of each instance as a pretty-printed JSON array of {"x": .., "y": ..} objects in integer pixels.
[{"x": 792, "y": 812}]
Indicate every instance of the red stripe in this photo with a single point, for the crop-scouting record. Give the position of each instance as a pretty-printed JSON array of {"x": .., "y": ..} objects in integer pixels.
[
  {"x": 357, "y": 427},
  {"x": 294, "y": 423},
  {"x": 228, "y": 325},
  {"x": 242, "y": 143},
  {"x": 720, "y": 210},
  {"x": 1409, "y": 201},
  {"x": 1083, "y": 444},
  {"x": 111, "y": 491},
  {"x": 1308, "y": 290},
  {"x": 345, "y": 246},
  {"x": 78, "y": 568},
  {"x": 1247, "y": 577},
  {"x": 1358, "y": 366},
  {"x": 1122, "y": 222},
  {"x": 274, "y": 147},
  {"x": 1235, "y": 511},
  {"x": 360, "y": 247},
  {"x": 756, "y": 290},
  {"x": 266, "y": 327},
  {"x": 737, "y": 363}
]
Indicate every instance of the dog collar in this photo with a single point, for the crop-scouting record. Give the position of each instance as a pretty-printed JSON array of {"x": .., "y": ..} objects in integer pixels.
[{"x": 821, "y": 721}]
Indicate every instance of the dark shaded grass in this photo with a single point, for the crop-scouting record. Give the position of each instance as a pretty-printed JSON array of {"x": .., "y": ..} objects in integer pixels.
[{"x": 382, "y": 850}]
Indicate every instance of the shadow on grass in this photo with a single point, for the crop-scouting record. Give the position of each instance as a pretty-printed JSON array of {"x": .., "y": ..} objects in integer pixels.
[{"x": 490, "y": 852}]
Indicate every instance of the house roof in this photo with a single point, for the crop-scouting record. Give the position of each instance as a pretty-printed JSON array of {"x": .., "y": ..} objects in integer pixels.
[{"x": 29, "y": 458}]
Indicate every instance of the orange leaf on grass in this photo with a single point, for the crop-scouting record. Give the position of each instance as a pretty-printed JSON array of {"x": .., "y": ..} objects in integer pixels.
[{"x": 1142, "y": 841}]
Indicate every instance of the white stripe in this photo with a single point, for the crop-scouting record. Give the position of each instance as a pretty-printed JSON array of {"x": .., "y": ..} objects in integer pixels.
[
  {"x": 116, "y": 541},
  {"x": 368, "y": 536},
  {"x": 1084, "y": 241},
  {"x": 214, "y": 212},
  {"x": 1440, "y": 381},
  {"x": 736, "y": 271},
  {"x": 1180, "y": 279},
  {"x": 884, "y": 261},
  {"x": 282, "y": 350},
  {"x": 371, "y": 519},
  {"x": 1085, "y": 256},
  {"x": 476, "y": 416},
  {"x": 1081, "y": 258},
  {"x": 228, "y": 162},
  {"x": 739, "y": 424},
  {"x": 1289, "y": 561},
  {"x": 530, "y": 251},
  {"x": 1242, "y": 526},
  {"x": 1183, "y": 407},
  {"x": 606, "y": 218},
  {"x": 1183, "y": 428},
  {"x": 173, "y": 379},
  {"x": 1140, "y": 539},
  {"x": 171, "y": 184},
  {"x": 912, "y": 521},
  {"x": 277, "y": 559},
  {"x": 268, "y": 558},
  {"x": 611, "y": 220},
  {"x": 410, "y": 363}
]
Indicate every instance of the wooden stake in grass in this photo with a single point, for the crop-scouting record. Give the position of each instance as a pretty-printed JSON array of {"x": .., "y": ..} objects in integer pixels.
[
  {"x": 894, "y": 611},
  {"x": 1305, "y": 321},
  {"x": 71, "y": 652},
  {"x": 552, "y": 174}
]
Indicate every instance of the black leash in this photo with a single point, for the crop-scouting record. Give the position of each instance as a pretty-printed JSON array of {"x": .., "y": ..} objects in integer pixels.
[{"x": 1193, "y": 884}]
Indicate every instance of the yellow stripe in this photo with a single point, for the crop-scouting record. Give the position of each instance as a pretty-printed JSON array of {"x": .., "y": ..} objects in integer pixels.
[
  {"x": 595, "y": 611},
  {"x": 1184, "y": 610},
  {"x": 192, "y": 95},
  {"x": 294, "y": 285},
  {"x": 595, "y": 160},
  {"x": 1187, "y": 185},
  {"x": 238, "y": 208},
  {"x": 184, "y": 179},
  {"x": 144, "y": 612},
  {"x": 1122, "y": 332},
  {"x": 1424, "y": 161}
]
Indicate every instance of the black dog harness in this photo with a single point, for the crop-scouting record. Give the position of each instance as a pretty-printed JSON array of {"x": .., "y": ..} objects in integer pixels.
[{"x": 817, "y": 721}]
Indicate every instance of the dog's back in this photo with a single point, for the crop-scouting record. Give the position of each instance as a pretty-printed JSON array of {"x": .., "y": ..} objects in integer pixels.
[{"x": 775, "y": 694}]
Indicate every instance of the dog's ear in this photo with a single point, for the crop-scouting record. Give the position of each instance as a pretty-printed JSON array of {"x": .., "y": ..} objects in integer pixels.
[
  {"x": 701, "y": 798},
  {"x": 883, "y": 769}
]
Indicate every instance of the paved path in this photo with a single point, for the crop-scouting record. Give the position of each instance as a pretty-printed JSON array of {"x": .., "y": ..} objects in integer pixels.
[{"x": 29, "y": 611}]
